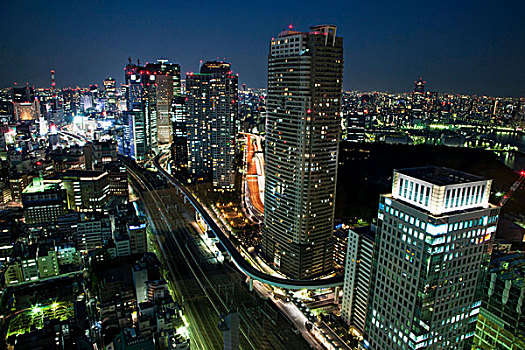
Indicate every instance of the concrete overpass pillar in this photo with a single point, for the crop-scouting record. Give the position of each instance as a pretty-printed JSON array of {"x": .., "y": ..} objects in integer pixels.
[
  {"x": 250, "y": 283},
  {"x": 336, "y": 295}
]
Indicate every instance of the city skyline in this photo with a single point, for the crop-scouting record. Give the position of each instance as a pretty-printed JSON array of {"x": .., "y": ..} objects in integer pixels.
[
  {"x": 245, "y": 176},
  {"x": 458, "y": 49}
]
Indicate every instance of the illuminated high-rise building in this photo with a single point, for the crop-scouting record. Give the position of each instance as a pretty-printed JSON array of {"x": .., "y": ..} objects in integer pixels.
[
  {"x": 212, "y": 114},
  {"x": 150, "y": 91},
  {"x": 305, "y": 80},
  {"x": 433, "y": 243},
  {"x": 166, "y": 86},
  {"x": 138, "y": 133},
  {"x": 110, "y": 92}
]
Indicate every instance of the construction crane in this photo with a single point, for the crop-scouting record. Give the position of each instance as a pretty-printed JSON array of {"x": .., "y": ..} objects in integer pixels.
[{"x": 512, "y": 189}]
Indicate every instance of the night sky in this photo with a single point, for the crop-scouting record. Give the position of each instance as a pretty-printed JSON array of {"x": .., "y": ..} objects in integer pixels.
[{"x": 456, "y": 46}]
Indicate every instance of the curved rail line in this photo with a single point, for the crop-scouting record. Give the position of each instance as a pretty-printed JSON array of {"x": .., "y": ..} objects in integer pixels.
[{"x": 239, "y": 260}]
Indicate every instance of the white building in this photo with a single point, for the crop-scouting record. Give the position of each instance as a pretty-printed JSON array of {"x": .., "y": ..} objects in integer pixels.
[{"x": 434, "y": 239}]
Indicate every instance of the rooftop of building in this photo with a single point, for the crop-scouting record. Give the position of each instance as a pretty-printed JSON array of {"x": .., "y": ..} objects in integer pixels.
[
  {"x": 439, "y": 176},
  {"x": 84, "y": 174},
  {"x": 321, "y": 29},
  {"x": 341, "y": 233},
  {"x": 368, "y": 231},
  {"x": 211, "y": 67},
  {"x": 39, "y": 186}
]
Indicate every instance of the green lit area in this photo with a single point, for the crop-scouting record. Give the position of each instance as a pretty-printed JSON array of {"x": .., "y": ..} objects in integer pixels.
[
  {"x": 38, "y": 185},
  {"x": 440, "y": 126},
  {"x": 33, "y": 318}
]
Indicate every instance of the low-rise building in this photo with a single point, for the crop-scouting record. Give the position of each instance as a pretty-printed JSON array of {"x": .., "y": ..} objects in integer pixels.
[{"x": 43, "y": 201}]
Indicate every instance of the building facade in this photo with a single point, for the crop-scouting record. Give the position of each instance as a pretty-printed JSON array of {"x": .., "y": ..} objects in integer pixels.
[
  {"x": 43, "y": 201},
  {"x": 87, "y": 191},
  {"x": 435, "y": 233},
  {"x": 305, "y": 76},
  {"x": 179, "y": 147},
  {"x": 150, "y": 91},
  {"x": 358, "y": 268},
  {"x": 212, "y": 105},
  {"x": 501, "y": 321}
]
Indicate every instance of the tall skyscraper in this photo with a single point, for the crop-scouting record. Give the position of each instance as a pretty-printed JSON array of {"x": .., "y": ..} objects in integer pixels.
[
  {"x": 179, "y": 147},
  {"x": 212, "y": 104},
  {"x": 137, "y": 133},
  {"x": 305, "y": 80},
  {"x": 150, "y": 91},
  {"x": 110, "y": 92},
  {"x": 166, "y": 85},
  {"x": 433, "y": 244}
]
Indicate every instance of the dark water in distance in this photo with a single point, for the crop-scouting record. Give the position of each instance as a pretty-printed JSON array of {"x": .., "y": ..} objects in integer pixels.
[
  {"x": 513, "y": 139},
  {"x": 515, "y": 161}
]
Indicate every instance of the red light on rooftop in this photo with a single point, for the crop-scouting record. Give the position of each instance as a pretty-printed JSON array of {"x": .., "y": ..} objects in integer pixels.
[{"x": 290, "y": 26}]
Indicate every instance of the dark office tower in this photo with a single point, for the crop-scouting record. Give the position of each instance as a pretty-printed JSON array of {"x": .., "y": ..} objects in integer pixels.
[
  {"x": 418, "y": 98},
  {"x": 419, "y": 85},
  {"x": 69, "y": 96},
  {"x": 172, "y": 70},
  {"x": 179, "y": 147},
  {"x": 305, "y": 76},
  {"x": 212, "y": 114},
  {"x": 110, "y": 92},
  {"x": 433, "y": 243}
]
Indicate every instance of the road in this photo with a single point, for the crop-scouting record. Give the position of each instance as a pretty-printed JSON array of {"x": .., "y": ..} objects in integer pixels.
[{"x": 254, "y": 177}]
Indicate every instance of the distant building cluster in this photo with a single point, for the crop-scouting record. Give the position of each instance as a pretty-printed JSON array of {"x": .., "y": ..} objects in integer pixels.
[
  {"x": 65, "y": 217},
  {"x": 428, "y": 117}
]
